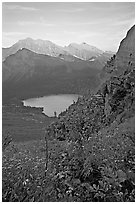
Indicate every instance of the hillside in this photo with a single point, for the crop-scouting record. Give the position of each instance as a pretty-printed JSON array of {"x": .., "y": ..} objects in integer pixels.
[{"x": 99, "y": 131}]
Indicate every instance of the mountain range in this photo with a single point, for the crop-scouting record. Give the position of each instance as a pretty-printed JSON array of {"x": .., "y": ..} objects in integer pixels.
[
  {"x": 82, "y": 51},
  {"x": 36, "y": 67}
]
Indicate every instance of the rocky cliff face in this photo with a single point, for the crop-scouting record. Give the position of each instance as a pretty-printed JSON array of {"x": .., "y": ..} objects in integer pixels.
[
  {"x": 126, "y": 52},
  {"x": 119, "y": 76},
  {"x": 124, "y": 58}
]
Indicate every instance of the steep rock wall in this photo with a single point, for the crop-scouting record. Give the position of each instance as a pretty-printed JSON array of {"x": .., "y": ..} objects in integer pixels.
[
  {"x": 124, "y": 58},
  {"x": 126, "y": 52}
]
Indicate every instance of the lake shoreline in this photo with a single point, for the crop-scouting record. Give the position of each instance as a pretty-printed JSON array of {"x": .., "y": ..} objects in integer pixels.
[{"x": 52, "y": 105}]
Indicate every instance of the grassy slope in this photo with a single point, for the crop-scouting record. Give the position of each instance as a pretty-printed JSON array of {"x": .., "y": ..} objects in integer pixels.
[{"x": 24, "y": 123}]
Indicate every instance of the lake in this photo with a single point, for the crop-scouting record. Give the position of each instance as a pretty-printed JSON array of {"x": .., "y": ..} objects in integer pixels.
[{"x": 52, "y": 103}]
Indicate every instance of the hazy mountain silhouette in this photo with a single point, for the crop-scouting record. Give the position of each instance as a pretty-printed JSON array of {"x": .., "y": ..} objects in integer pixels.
[
  {"x": 38, "y": 46},
  {"x": 82, "y": 51}
]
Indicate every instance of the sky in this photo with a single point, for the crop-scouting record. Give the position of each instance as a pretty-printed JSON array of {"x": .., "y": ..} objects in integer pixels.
[{"x": 102, "y": 25}]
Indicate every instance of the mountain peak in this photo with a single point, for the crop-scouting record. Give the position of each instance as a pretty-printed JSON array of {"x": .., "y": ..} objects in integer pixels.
[
  {"x": 72, "y": 44},
  {"x": 83, "y": 50},
  {"x": 38, "y": 46},
  {"x": 28, "y": 39}
]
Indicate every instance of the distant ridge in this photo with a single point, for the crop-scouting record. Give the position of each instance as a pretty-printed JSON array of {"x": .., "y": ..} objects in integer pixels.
[{"x": 82, "y": 51}]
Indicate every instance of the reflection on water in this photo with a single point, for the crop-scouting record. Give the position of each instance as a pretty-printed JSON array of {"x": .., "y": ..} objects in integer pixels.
[{"x": 53, "y": 103}]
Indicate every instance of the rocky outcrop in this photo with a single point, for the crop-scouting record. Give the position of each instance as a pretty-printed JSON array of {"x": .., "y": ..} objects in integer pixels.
[
  {"x": 124, "y": 58},
  {"x": 126, "y": 52}
]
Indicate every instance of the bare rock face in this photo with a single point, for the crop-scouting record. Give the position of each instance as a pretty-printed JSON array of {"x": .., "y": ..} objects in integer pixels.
[
  {"x": 118, "y": 77},
  {"x": 124, "y": 58},
  {"x": 126, "y": 52}
]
